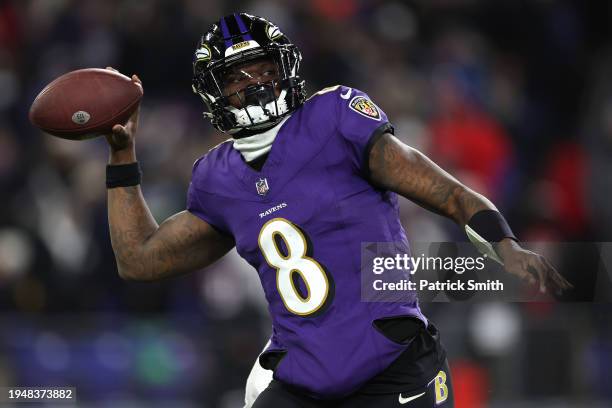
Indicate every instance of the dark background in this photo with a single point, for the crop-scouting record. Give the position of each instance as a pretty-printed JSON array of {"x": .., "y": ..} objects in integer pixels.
[{"x": 512, "y": 97}]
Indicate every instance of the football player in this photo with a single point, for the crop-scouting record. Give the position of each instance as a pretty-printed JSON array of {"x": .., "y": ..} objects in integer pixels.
[{"x": 297, "y": 188}]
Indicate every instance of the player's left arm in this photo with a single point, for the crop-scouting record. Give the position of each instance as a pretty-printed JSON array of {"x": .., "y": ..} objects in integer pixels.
[{"x": 397, "y": 167}]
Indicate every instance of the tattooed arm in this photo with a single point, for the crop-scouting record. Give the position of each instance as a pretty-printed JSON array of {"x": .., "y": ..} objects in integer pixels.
[
  {"x": 406, "y": 171},
  {"x": 144, "y": 250}
]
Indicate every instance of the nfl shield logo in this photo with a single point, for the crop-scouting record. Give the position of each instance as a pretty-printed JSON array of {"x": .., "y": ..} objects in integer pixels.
[{"x": 262, "y": 186}]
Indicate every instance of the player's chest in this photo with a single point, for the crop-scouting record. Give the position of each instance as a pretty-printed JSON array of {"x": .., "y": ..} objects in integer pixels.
[
  {"x": 305, "y": 199},
  {"x": 307, "y": 202}
]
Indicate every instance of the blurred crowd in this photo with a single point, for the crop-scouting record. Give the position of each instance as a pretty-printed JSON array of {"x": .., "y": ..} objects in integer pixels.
[{"x": 513, "y": 98}]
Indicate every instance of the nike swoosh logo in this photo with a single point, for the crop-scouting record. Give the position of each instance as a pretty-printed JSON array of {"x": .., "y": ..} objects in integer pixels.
[
  {"x": 347, "y": 94},
  {"x": 408, "y": 399}
]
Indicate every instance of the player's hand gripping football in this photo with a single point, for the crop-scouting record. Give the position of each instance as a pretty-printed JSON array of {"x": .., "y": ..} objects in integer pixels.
[
  {"x": 531, "y": 267},
  {"x": 121, "y": 141}
]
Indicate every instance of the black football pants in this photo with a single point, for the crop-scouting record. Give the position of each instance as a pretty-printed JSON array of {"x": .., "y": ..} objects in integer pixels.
[{"x": 438, "y": 393}]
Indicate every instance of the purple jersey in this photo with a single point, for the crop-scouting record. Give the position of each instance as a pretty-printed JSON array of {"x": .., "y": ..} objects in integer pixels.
[{"x": 300, "y": 223}]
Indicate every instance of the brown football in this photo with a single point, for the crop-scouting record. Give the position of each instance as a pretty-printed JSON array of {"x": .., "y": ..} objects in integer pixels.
[{"x": 85, "y": 103}]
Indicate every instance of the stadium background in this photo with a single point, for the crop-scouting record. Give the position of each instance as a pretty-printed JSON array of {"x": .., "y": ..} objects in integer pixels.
[{"x": 513, "y": 97}]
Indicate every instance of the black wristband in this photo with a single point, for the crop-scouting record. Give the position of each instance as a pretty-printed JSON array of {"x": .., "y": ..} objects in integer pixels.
[
  {"x": 491, "y": 226},
  {"x": 123, "y": 175}
]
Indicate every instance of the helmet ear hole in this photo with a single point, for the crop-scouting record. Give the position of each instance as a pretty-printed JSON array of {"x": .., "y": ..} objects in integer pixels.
[{"x": 239, "y": 39}]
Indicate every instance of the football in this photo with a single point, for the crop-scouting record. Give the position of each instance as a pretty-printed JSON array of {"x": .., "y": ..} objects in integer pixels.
[{"x": 85, "y": 103}]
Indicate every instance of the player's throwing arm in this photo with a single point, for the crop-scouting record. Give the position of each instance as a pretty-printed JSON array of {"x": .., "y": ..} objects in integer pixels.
[{"x": 143, "y": 249}]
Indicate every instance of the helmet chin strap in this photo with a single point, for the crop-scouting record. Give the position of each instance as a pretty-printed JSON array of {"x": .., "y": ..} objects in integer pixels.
[{"x": 255, "y": 146}]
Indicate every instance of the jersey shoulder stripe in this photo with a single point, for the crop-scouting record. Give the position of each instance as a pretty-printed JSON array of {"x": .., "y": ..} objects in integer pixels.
[{"x": 324, "y": 91}]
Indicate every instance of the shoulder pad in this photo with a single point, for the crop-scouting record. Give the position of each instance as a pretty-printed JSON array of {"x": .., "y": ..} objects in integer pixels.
[
  {"x": 219, "y": 145},
  {"x": 212, "y": 155},
  {"x": 342, "y": 91}
]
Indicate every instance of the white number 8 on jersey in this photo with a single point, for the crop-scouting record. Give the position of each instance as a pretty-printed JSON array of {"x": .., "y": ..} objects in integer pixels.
[{"x": 296, "y": 261}]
